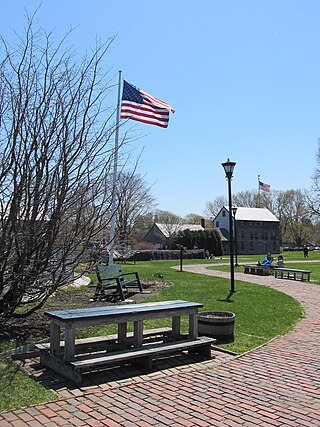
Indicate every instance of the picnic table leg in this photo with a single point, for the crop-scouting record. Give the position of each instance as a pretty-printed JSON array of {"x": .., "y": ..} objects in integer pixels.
[
  {"x": 54, "y": 339},
  {"x": 69, "y": 343},
  {"x": 138, "y": 333},
  {"x": 122, "y": 333},
  {"x": 193, "y": 325},
  {"x": 176, "y": 322}
]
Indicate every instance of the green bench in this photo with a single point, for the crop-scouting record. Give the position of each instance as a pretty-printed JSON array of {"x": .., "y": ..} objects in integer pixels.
[
  {"x": 112, "y": 277},
  {"x": 292, "y": 273}
]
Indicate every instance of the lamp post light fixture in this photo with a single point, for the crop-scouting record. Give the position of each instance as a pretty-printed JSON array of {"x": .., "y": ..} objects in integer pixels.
[
  {"x": 234, "y": 211},
  {"x": 228, "y": 169}
]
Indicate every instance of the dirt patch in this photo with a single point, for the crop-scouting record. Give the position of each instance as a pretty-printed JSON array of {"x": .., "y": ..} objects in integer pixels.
[{"x": 36, "y": 326}]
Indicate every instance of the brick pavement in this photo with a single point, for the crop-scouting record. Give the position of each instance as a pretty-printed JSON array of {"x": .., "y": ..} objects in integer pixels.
[{"x": 277, "y": 384}]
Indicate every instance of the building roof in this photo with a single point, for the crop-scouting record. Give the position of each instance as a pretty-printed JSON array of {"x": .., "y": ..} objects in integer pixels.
[
  {"x": 167, "y": 229},
  {"x": 254, "y": 214}
]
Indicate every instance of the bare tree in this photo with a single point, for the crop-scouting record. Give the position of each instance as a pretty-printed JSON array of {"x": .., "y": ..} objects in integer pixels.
[
  {"x": 171, "y": 224},
  {"x": 193, "y": 218},
  {"x": 298, "y": 219},
  {"x": 213, "y": 207},
  {"x": 314, "y": 196},
  {"x": 55, "y": 162},
  {"x": 248, "y": 199},
  {"x": 134, "y": 200}
]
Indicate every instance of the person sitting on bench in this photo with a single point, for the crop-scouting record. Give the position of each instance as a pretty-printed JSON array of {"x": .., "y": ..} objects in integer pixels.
[
  {"x": 280, "y": 261},
  {"x": 267, "y": 261}
]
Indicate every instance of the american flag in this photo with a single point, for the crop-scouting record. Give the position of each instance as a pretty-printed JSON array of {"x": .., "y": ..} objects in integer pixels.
[
  {"x": 264, "y": 187},
  {"x": 138, "y": 105}
]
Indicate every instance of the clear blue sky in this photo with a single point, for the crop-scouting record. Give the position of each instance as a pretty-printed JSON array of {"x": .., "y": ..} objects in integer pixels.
[{"x": 243, "y": 77}]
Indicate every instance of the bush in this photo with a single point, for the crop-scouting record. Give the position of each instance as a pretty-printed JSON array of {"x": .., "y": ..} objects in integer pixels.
[
  {"x": 157, "y": 255},
  {"x": 208, "y": 239}
]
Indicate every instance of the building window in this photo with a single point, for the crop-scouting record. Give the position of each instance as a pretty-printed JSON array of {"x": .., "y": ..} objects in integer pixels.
[
  {"x": 223, "y": 213},
  {"x": 217, "y": 224},
  {"x": 242, "y": 246}
]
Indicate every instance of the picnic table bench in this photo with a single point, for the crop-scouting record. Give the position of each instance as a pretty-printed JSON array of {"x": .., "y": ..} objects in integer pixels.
[
  {"x": 260, "y": 270},
  {"x": 112, "y": 277},
  {"x": 72, "y": 358},
  {"x": 292, "y": 273}
]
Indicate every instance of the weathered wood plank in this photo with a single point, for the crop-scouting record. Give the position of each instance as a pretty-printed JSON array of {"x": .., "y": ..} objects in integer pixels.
[
  {"x": 87, "y": 361},
  {"x": 83, "y": 318},
  {"x": 102, "y": 341},
  {"x": 138, "y": 333}
]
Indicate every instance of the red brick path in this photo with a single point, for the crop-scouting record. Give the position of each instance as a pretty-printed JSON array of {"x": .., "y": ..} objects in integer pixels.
[{"x": 277, "y": 384}]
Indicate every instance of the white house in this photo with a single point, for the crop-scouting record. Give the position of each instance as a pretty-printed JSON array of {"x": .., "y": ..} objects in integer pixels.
[{"x": 256, "y": 230}]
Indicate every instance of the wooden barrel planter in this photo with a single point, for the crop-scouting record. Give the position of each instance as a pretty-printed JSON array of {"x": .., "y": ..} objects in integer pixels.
[{"x": 217, "y": 324}]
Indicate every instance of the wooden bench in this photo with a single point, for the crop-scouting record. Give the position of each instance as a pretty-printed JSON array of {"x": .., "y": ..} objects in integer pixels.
[
  {"x": 142, "y": 356},
  {"x": 260, "y": 270},
  {"x": 112, "y": 277},
  {"x": 291, "y": 273}
]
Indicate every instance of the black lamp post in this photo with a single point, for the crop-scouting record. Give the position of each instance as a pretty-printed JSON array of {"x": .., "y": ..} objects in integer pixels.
[
  {"x": 234, "y": 211},
  {"x": 228, "y": 169}
]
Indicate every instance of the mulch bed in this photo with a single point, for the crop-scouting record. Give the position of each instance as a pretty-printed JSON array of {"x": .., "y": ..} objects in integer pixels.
[{"x": 36, "y": 326}]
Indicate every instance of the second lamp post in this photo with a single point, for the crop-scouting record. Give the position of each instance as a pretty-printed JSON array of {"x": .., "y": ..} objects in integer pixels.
[
  {"x": 234, "y": 211},
  {"x": 228, "y": 169}
]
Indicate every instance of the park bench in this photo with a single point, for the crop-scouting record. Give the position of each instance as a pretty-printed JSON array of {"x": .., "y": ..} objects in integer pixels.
[
  {"x": 292, "y": 273},
  {"x": 112, "y": 277},
  {"x": 260, "y": 270}
]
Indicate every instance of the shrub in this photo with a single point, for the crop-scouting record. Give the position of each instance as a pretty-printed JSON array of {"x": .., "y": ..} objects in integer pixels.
[{"x": 156, "y": 255}]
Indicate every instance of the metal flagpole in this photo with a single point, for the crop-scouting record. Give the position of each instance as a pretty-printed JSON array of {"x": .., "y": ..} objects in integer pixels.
[
  {"x": 259, "y": 191},
  {"x": 114, "y": 180}
]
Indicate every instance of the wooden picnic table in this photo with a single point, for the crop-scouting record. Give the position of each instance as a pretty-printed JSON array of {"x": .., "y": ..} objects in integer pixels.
[
  {"x": 260, "y": 270},
  {"x": 63, "y": 357}
]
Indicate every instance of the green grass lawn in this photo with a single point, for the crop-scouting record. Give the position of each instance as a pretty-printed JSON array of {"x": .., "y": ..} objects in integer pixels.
[
  {"x": 261, "y": 314},
  {"x": 18, "y": 390}
]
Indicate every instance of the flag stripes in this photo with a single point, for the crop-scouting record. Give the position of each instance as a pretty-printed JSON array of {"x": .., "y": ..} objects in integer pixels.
[
  {"x": 140, "y": 106},
  {"x": 264, "y": 187}
]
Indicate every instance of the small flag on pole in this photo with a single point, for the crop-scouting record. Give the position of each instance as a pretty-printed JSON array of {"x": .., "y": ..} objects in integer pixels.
[
  {"x": 264, "y": 187},
  {"x": 142, "y": 107}
]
